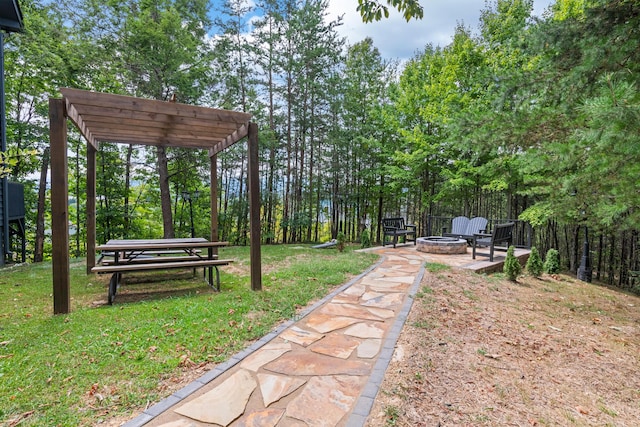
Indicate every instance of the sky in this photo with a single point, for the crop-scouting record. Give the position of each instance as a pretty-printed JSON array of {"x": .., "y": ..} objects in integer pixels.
[{"x": 397, "y": 39}]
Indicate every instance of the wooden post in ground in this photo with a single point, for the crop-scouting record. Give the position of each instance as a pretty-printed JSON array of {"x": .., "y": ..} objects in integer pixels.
[
  {"x": 59, "y": 207},
  {"x": 254, "y": 208}
]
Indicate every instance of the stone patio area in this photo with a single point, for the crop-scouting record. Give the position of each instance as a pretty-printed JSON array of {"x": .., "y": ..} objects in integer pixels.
[
  {"x": 481, "y": 264},
  {"x": 322, "y": 369}
]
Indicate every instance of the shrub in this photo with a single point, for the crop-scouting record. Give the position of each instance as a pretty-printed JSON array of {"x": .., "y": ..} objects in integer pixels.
[
  {"x": 365, "y": 239},
  {"x": 341, "y": 238},
  {"x": 552, "y": 262},
  {"x": 512, "y": 266},
  {"x": 534, "y": 263}
]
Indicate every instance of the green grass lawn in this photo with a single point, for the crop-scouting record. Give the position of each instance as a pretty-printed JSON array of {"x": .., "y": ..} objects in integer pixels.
[{"x": 101, "y": 361}]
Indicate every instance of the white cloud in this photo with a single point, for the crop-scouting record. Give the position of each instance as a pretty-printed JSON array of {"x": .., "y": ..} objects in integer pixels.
[{"x": 398, "y": 39}]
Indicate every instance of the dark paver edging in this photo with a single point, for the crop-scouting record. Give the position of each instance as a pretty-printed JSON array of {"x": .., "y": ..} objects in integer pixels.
[
  {"x": 150, "y": 413},
  {"x": 365, "y": 402}
]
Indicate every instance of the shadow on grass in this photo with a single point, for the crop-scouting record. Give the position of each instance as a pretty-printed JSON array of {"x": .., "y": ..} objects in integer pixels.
[{"x": 152, "y": 286}]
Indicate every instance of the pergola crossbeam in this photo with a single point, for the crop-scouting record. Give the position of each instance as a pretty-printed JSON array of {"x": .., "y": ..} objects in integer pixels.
[
  {"x": 230, "y": 140},
  {"x": 75, "y": 117}
]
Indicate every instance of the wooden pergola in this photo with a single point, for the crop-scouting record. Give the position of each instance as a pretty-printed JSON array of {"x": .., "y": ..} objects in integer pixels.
[{"x": 103, "y": 117}]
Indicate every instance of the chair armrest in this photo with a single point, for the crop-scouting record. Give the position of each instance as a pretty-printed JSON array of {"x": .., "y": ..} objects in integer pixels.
[
  {"x": 412, "y": 226},
  {"x": 482, "y": 235}
]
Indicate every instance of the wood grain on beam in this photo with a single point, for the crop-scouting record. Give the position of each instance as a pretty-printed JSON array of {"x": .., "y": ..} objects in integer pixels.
[
  {"x": 59, "y": 207},
  {"x": 105, "y": 118},
  {"x": 76, "y": 118},
  {"x": 230, "y": 140},
  {"x": 129, "y": 103},
  {"x": 253, "y": 179}
]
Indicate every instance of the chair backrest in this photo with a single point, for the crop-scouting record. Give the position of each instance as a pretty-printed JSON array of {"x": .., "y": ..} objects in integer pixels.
[
  {"x": 503, "y": 232},
  {"x": 393, "y": 223},
  {"x": 476, "y": 225},
  {"x": 459, "y": 225}
]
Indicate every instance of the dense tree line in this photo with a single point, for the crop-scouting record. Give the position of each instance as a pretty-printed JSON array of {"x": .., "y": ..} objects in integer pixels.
[{"x": 523, "y": 117}]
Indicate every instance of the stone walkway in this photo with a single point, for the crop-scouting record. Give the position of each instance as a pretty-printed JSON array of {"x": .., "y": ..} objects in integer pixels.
[{"x": 322, "y": 369}]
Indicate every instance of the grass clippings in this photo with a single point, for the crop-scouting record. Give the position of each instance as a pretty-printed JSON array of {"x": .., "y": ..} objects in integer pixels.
[{"x": 485, "y": 351}]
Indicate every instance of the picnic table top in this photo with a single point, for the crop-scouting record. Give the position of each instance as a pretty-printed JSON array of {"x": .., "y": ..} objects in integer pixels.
[{"x": 158, "y": 244}]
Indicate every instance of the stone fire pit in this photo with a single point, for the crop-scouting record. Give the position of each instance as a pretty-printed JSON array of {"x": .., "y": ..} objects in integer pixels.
[{"x": 441, "y": 245}]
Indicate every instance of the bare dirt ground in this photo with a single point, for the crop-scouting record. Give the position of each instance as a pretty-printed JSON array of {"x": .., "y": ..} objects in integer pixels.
[{"x": 484, "y": 351}]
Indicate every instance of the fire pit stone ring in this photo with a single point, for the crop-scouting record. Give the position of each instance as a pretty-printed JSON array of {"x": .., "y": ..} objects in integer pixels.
[{"x": 441, "y": 245}]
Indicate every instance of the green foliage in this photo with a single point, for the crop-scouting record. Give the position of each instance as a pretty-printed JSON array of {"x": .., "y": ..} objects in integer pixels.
[
  {"x": 341, "y": 238},
  {"x": 534, "y": 264},
  {"x": 565, "y": 9},
  {"x": 552, "y": 262},
  {"x": 610, "y": 146},
  {"x": 392, "y": 414},
  {"x": 512, "y": 267},
  {"x": 365, "y": 239},
  {"x": 537, "y": 214},
  {"x": 373, "y": 10},
  {"x": 110, "y": 360},
  {"x": 10, "y": 158},
  {"x": 517, "y": 115}
]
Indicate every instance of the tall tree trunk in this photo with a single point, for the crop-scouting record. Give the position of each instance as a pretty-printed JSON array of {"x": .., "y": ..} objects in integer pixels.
[
  {"x": 623, "y": 271},
  {"x": 241, "y": 225},
  {"x": 310, "y": 177},
  {"x": 576, "y": 246},
  {"x": 127, "y": 187},
  {"x": 165, "y": 193},
  {"x": 300, "y": 179},
  {"x": 379, "y": 235},
  {"x": 287, "y": 190},
  {"x": 270, "y": 199},
  {"x": 77, "y": 196},
  {"x": 600, "y": 254},
  {"x": 611, "y": 267},
  {"x": 224, "y": 200},
  {"x": 272, "y": 149},
  {"x": 105, "y": 201},
  {"x": 38, "y": 251}
]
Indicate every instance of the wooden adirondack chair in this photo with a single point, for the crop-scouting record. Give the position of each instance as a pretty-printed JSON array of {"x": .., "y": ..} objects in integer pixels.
[
  {"x": 395, "y": 228},
  {"x": 465, "y": 228},
  {"x": 502, "y": 233}
]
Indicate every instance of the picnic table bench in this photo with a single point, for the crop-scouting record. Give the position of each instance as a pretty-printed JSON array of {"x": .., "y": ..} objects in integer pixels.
[
  {"x": 396, "y": 228},
  {"x": 130, "y": 256}
]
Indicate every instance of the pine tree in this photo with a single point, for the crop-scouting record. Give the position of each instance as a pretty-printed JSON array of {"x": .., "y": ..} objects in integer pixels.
[
  {"x": 534, "y": 263},
  {"x": 365, "y": 239},
  {"x": 512, "y": 267},
  {"x": 552, "y": 262},
  {"x": 341, "y": 238}
]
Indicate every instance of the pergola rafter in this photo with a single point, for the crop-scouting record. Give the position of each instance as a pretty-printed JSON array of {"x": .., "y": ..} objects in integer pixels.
[{"x": 103, "y": 117}]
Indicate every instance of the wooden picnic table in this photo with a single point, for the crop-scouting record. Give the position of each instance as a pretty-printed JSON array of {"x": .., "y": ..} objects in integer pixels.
[{"x": 134, "y": 255}]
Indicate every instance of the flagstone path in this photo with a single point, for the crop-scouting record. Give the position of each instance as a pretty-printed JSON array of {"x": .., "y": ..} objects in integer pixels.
[{"x": 323, "y": 369}]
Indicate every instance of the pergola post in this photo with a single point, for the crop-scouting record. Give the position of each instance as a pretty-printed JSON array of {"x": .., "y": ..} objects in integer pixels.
[
  {"x": 91, "y": 207},
  {"x": 254, "y": 208},
  {"x": 59, "y": 207}
]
